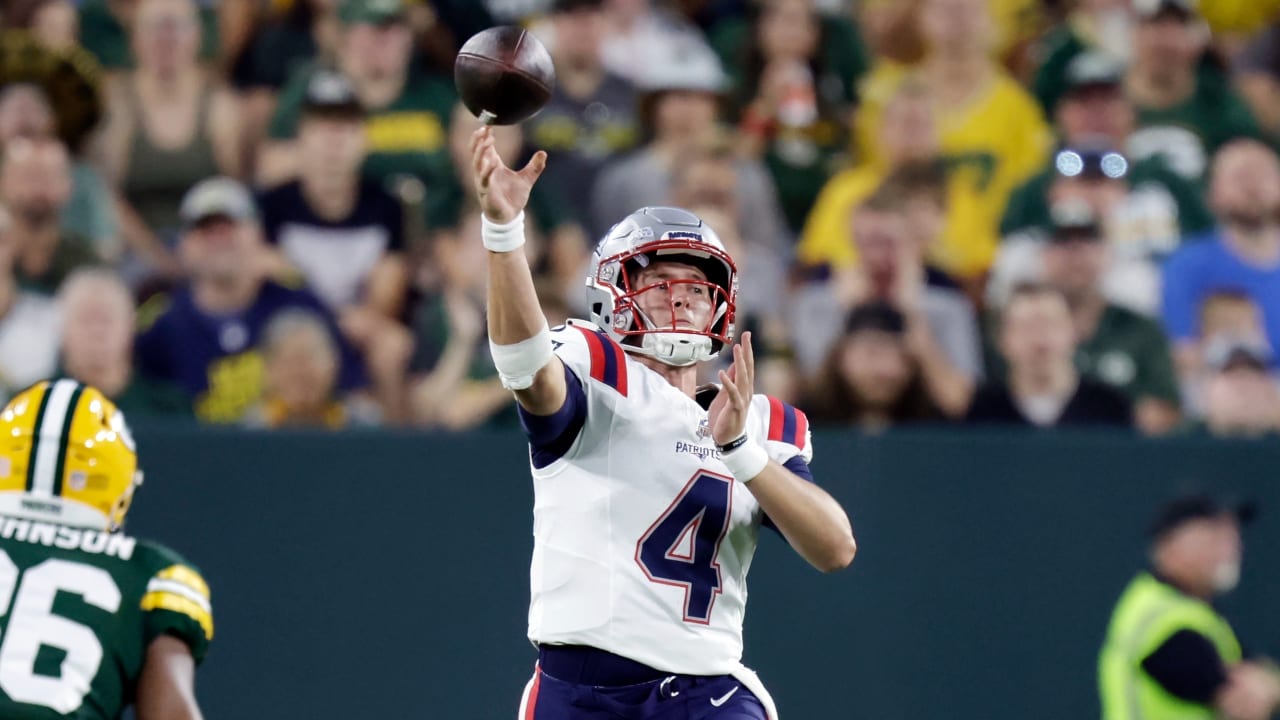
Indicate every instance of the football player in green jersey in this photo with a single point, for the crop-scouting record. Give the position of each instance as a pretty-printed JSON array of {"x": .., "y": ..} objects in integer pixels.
[{"x": 91, "y": 619}]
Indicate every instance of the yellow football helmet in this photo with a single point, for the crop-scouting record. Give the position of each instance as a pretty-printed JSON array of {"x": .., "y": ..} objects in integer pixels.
[{"x": 66, "y": 456}]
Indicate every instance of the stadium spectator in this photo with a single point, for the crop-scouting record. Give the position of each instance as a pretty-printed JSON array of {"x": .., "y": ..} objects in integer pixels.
[
  {"x": 456, "y": 386},
  {"x": 168, "y": 126},
  {"x": 645, "y": 40},
  {"x": 283, "y": 42},
  {"x": 97, "y": 345},
  {"x": 679, "y": 112},
  {"x": 1243, "y": 255},
  {"x": 1043, "y": 387},
  {"x": 28, "y": 324},
  {"x": 793, "y": 103},
  {"x": 407, "y": 111},
  {"x": 1138, "y": 221},
  {"x": 1223, "y": 313},
  {"x": 591, "y": 116},
  {"x": 707, "y": 178},
  {"x": 106, "y": 27},
  {"x": 941, "y": 327},
  {"x": 993, "y": 138},
  {"x": 345, "y": 235},
  {"x": 1116, "y": 345},
  {"x": 908, "y": 136},
  {"x": 35, "y": 185},
  {"x": 1145, "y": 223},
  {"x": 842, "y": 54},
  {"x": 25, "y": 112},
  {"x": 870, "y": 379},
  {"x": 203, "y": 337},
  {"x": 300, "y": 377},
  {"x": 1241, "y": 397},
  {"x": 1185, "y": 112},
  {"x": 1168, "y": 650},
  {"x": 451, "y": 208}
]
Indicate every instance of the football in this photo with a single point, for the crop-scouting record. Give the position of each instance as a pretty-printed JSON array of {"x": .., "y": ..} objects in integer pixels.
[{"x": 504, "y": 75}]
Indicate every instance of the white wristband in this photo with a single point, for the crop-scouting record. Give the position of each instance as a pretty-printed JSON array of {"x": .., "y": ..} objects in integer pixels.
[
  {"x": 518, "y": 363},
  {"x": 502, "y": 238},
  {"x": 746, "y": 461}
]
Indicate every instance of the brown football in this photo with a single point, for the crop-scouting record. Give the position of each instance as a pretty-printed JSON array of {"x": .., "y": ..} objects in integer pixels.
[{"x": 504, "y": 75}]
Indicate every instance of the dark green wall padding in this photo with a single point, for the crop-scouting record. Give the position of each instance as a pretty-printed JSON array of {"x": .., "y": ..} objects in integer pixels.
[{"x": 386, "y": 575}]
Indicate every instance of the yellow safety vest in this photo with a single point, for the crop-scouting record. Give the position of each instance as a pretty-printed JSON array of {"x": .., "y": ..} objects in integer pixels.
[{"x": 1148, "y": 614}]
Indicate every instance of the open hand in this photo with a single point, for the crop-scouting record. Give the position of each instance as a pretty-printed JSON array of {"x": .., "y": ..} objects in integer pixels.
[
  {"x": 728, "y": 413},
  {"x": 503, "y": 192}
]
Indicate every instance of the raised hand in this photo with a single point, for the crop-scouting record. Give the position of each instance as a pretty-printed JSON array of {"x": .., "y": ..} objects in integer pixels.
[
  {"x": 728, "y": 412},
  {"x": 503, "y": 192}
]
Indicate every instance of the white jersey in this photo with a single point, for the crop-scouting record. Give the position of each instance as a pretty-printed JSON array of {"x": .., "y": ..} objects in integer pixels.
[{"x": 642, "y": 538}]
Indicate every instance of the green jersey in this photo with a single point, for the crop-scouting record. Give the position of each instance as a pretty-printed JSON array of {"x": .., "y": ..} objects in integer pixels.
[
  {"x": 1188, "y": 135},
  {"x": 80, "y": 609}
]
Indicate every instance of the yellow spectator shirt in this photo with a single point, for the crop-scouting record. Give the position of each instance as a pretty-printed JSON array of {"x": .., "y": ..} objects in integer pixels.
[
  {"x": 1242, "y": 17},
  {"x": 989, "y": 148},
  {"x": 827, "y": 238}
]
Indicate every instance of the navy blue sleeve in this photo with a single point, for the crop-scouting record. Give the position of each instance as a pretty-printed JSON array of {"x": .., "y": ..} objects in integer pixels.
[
  {"x": 1188, "y": 666},
  {"x": 800, "y": 468},
  {"x": 151, "y": 352},
  {"x": 551, "y": 436}
]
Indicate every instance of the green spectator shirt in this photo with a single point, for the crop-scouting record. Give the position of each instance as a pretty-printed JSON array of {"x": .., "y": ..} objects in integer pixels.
[
  {"x": 1188, "y": 135},
  {"x": 102, "y": 34},
  {"x": 407, "y": 137},
  {"x": 1028, "y": 207},
  {"x": 801, "y": 160},
  {"x": 1128, "y": 351}
]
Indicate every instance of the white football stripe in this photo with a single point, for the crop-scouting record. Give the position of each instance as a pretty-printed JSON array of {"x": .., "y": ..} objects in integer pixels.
[
  {"x": 177, "y": 588},
  {"x": 50, "y": 436}
]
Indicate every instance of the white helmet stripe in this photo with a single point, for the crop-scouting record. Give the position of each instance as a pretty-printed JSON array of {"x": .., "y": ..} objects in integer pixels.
[{"x": 49, "y": 435}]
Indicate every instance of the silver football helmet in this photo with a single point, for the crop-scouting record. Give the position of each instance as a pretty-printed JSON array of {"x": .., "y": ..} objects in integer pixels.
[{"x": 645, "y": 236}]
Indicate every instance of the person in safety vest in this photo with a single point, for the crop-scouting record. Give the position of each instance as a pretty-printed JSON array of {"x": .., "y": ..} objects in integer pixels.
[{"x": 1169, "y": 654}]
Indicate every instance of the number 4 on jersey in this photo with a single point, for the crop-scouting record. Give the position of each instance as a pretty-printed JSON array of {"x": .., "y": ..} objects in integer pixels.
[{"x": 680, "y": 548}]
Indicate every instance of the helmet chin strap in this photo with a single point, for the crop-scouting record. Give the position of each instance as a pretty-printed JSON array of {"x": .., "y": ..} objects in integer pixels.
[{"x": 675, "y": 348}]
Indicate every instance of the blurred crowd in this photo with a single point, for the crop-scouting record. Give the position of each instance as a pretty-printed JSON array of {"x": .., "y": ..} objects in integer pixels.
[{"x": 1030, "y": 212}]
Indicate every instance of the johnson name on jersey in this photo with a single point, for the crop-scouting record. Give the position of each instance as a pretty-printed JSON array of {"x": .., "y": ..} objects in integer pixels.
[
  {"x": 79, "y": 609},
  {"x": 642, "y": 538}
]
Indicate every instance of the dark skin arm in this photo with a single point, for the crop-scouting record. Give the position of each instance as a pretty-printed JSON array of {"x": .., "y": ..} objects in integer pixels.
[{"x": 167, "y": 686}]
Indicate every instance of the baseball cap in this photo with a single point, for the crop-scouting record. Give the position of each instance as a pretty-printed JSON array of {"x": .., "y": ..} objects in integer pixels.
[
  {"x": 217, "y": 197},
  {"x": 1095, "y": 163},
  {"x": 1074, "y": 220},
  {"x": 1197, "y": 506},
  {"x": 1151, "y": 9},
  {"x": 1223, "y": 352},
  {"x": 330, "y": 93},
  {"x": 875, "y": 315},
  {"x": 373, "y": 12},
  {"x": 1093, "y": 69}
]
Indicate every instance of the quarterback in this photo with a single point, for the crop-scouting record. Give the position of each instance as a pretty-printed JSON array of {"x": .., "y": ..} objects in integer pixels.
[
  {"x": 649, "y": 491},
  {"x": 91, "y": 619}
]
